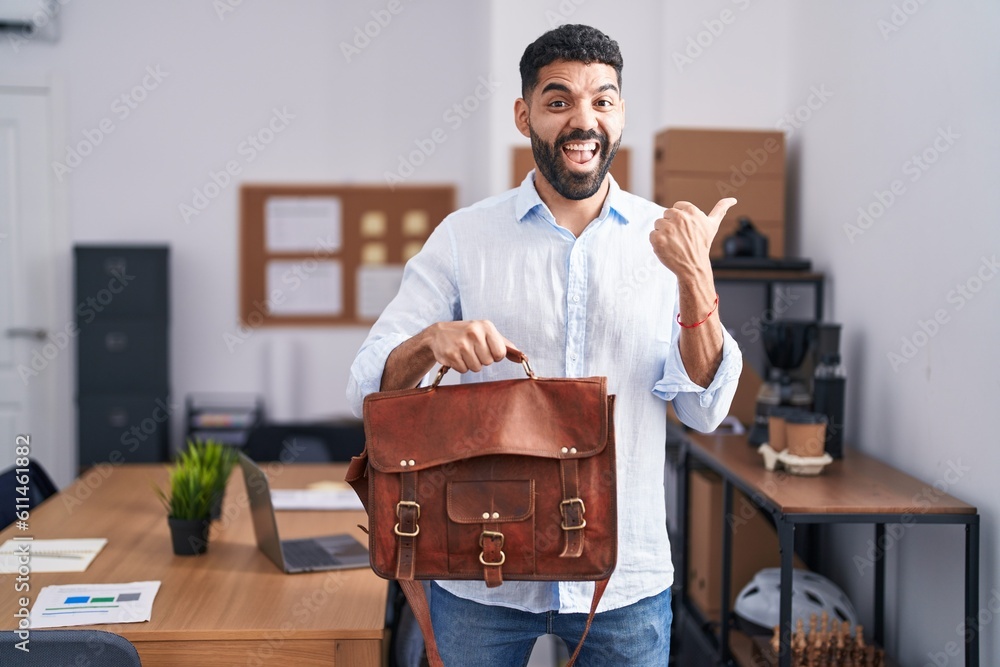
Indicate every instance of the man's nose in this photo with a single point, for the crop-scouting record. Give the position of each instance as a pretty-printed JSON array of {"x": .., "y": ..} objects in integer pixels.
[{"x": 583, "y": 118}]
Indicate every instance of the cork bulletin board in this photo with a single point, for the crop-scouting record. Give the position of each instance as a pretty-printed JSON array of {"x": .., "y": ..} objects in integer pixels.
[{"x": 327, "y": 255}]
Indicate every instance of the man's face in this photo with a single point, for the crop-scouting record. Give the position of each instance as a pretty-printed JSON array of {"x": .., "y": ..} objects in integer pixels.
[{"x": 575, "y": 116}]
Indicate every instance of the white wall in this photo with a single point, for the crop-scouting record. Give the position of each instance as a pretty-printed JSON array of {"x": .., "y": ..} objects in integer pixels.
[
  {"x": 224, "y": 78},
  {"x": 892, "y": 94},
  {"x": 756, "y": 64}
]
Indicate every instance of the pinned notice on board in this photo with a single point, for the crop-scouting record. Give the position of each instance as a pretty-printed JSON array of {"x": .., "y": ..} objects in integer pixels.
[
  {"x": 416, "y": 223},
  {"x": 377, "y": 286},
  {"x": 330, "y": 254},
  {"x": 303, "y": 224},
  {"x": 374, "y": 253},
  {"x": 374, "y": 224},
  {"x": 304, "y": 287}
]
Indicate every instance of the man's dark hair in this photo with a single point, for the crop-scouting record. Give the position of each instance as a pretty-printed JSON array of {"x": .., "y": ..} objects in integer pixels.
[{"x": 575, "y": 43}]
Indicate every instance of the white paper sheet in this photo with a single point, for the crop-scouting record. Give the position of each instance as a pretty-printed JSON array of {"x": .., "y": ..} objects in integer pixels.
[
  {"x": 72, "y": 555},
  {"x": 303, "y": 224},
  {"x": 305, "y": 287},
  {"x": 309, "y": 499},
  {"x": 377, "y": 286},
  {"x": 93, "y": 604}
]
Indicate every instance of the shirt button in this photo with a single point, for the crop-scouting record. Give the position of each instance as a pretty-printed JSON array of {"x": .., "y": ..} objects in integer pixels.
[{"x": 576, "y": 299}]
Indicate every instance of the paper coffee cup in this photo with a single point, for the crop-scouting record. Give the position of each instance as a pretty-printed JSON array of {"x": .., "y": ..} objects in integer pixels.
[
  {"x": 805, "y": 433},
  {"x": 776, "y": 427}
]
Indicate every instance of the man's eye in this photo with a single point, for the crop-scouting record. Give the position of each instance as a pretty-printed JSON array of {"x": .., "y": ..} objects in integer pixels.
[
  {"x": 605, "y": 103},
  {"x": 557, "y": 103}
]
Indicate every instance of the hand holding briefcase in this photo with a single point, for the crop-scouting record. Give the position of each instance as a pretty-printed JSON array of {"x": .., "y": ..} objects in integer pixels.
[{"x": 512, "y": 479}]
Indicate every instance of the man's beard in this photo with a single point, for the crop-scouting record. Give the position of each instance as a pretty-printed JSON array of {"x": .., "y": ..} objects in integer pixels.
[{"x": 569, "y": 184}]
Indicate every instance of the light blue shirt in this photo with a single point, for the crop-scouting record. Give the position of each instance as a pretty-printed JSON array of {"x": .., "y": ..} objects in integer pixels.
[{"x": 600, "y": 304}]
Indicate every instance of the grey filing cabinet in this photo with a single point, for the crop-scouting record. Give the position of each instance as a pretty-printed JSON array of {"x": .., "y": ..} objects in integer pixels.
[{"x": 122, "y": 315}]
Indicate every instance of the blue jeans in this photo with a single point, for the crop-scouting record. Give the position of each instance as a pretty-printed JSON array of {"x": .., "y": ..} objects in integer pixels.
[{"x": 469, "y": 633}]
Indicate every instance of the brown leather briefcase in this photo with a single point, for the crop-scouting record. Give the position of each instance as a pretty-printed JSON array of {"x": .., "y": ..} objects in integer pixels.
[{"x": 512, "y": 479}]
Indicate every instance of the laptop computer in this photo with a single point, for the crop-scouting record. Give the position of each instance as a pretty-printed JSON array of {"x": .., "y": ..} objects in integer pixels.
[{"x": 330, "y": 552}]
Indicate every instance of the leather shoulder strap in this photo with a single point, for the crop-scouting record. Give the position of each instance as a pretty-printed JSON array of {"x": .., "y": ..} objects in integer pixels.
[
  {"x": 414, "y": 591},
  {"x": 357, "y": 477}
]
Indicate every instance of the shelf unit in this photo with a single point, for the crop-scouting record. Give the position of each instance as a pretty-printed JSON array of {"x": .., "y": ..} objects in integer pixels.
[
  {"x": 856, "y": 489},
  {"x": 225, "y": 418}
]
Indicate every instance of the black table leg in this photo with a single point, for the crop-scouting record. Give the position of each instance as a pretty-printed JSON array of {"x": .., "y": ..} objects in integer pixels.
[
  {"x": 682, "y": 519},
  {"x": 727, "y": 560},
  {"x": 786, "y": 541},
  {"x": 972, "y": 593},
  {"x": 818, "y": 295},
  {"x": 879, "y": 634}
]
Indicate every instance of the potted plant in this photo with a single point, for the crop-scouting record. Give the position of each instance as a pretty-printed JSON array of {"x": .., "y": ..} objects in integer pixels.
[
  {"x": 192, "y": 489},
  {"x": 212, "y": 455}
]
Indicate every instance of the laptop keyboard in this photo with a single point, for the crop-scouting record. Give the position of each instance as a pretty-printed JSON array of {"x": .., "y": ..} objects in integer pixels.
[{"x": 306, "y": 554}]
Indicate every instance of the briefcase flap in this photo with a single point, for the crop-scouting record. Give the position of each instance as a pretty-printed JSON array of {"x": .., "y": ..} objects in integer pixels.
[
  {"x": 558, "y": 418},
  {"x": 502, "y": 500}
]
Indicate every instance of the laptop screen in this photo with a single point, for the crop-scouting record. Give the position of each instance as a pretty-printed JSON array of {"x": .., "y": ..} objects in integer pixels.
[{"x": 265, "y": 527}]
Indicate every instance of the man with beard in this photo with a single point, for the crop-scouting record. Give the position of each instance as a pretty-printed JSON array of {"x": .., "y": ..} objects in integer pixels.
[{"x": 586, "y": 280}]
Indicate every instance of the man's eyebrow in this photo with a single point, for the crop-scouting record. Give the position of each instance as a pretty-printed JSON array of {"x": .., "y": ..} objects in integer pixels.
[
  {"x": 555, "y": 86},
  {"x": 564, "y": 89}
]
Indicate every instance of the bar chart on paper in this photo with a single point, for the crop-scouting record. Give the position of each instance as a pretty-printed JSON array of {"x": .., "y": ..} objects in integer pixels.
[{"x": 87, "y": 604}]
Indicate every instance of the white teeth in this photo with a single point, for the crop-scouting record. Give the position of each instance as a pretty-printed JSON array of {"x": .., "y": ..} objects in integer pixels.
[{"x": 581, "y": 147}]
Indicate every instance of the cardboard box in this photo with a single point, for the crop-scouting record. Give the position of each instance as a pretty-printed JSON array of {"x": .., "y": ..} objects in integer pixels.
[
  {"x": 744, "y": 405},
  {"x": 755, "y": 543},
  {"x": 711, "y": 151},
  {"x": 702, "y": 166},
  {"x": 760, "y": 199},
  {"x": 524, "y": 161}
]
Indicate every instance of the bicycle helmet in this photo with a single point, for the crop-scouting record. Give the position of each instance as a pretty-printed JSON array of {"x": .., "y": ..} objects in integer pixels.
[{"x": 758, "y": 604}]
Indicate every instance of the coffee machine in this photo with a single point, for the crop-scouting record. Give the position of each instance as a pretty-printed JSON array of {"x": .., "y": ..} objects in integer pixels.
[
  {"x": 786, "y": 344},
  {"x": 828, "y": 387},
  {"x": 804, "y": 372}
]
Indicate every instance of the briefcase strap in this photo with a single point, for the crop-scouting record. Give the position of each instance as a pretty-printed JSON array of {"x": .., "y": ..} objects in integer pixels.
[
  {"x": 572, "y": 510},
  {"x": 414, "y": 591}
]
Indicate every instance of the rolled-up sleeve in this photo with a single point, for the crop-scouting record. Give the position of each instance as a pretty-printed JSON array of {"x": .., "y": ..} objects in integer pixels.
[
  {"x": 428, "y": 294},
  {"x": 701, "y": 408}
]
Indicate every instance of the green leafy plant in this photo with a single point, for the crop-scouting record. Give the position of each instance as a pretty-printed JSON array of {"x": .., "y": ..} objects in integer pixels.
[
  {"x": 198, "y": 479},
  {"x": 192, "y": 490},
  {"x": 211, "y": 455}
]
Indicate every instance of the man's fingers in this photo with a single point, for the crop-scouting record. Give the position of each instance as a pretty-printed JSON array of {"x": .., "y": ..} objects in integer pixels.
[
  {"x": 496, "y": 344},
  {"x": 469, "y": 346},
  {"x": 686, "y": 206},
  {"x": 470, "y": 360},
  {"x": 483, "y": 350},
  {"x": 720, "y": 209}
]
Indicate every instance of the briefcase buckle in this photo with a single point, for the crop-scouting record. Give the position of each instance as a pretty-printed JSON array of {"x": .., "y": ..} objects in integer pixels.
[
  {"x": 583, "y": 509},
  {"x": 492, "y": 534},
  {"x": 416, "y": 527},
  {"x": 407, "y": 503}
]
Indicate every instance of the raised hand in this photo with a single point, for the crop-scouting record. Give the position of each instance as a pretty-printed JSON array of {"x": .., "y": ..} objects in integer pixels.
[{"x": 682, "y": 238}]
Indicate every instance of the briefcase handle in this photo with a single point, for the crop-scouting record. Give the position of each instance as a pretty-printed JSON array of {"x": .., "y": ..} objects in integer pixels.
[{"x": 513, "y": 354}]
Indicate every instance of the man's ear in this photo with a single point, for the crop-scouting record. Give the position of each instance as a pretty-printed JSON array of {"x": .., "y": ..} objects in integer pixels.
[{"x": 521, "y": 112}]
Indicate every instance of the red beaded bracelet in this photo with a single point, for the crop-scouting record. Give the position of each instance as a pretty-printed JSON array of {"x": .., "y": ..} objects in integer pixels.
[{"x": 697, "y": 324}]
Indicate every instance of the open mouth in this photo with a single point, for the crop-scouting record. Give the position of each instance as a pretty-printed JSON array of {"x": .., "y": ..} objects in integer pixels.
[{"x": 580, "y": 152}]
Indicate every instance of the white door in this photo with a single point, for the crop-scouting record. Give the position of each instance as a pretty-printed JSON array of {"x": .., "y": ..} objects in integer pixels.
[{"x": 34, "y": 356}]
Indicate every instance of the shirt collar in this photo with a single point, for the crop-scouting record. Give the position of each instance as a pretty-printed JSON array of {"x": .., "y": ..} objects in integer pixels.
[{"x": 528, "y": 200}]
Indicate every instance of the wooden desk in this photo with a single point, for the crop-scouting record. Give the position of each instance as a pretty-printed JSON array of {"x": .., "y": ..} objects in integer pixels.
[
  {"x": 855, "y": 489},
  {"x": 231, "y": 606}
]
